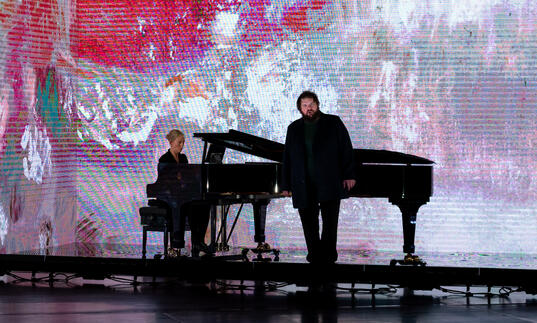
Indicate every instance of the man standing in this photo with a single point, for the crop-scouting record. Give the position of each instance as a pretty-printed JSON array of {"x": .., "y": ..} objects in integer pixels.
[{"x": 318, "y": 170}]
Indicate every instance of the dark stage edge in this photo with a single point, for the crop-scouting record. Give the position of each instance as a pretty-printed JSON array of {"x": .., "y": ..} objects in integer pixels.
[{"x": 286, "y": 270}]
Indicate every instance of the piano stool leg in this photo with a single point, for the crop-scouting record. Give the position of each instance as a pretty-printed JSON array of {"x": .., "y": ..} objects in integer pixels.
[
  {"x": 224, "y": 209},
  {"x": 144, "y": 242},
  {"x": 166, "y": 235}
]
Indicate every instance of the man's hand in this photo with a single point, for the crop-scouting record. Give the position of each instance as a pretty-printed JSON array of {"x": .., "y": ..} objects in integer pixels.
[
  {"x": 348, "y": 184},
  {"x": 286, "y": 193}
]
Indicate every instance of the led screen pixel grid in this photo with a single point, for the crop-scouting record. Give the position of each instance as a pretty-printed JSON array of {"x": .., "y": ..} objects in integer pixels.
[{"x": 91, "y": 88}]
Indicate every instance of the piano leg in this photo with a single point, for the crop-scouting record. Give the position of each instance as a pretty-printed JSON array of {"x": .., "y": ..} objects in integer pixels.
[
  {"x": 213, "y": 245},
  {"x": 409, "y": 211},
  {"x": 144, "y": 242},
  {"x": 260, "y": 218}
]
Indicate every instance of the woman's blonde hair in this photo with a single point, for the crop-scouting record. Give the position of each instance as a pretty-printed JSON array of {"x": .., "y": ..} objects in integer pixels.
[{"x": 174, "y": 134}]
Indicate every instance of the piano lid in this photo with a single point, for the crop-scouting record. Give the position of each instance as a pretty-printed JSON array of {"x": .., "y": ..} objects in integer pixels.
[
  {"x": 245, "y": 143},
  {"x": 272, "y": 150},
  {"x": 373, "y": 156}
]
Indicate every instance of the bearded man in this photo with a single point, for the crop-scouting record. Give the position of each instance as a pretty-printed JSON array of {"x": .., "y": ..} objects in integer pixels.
[{"x": 318, "y": 171}]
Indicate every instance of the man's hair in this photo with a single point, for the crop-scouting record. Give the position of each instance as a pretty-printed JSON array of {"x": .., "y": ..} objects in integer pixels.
[
  {"x": 174, "y": 134},
  {"x": 307, "y": 94}
]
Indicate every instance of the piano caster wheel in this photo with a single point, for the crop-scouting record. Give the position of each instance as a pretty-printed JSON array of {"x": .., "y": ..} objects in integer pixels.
[
  {"x": 260, "y": 258},
  {"x": 221, "y": 247},
  {"x": 414, "y": 260},
  {"x": 263, "y": 247},
  {"x": 409, "y": 260},
  {"x": 257, "y": 258}
]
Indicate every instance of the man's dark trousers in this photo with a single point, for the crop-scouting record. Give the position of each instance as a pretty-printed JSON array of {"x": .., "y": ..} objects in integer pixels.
[{"x": 323, "y": 249}]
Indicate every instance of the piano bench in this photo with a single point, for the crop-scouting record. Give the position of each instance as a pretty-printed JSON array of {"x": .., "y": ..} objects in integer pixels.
[{"x": 155, "y": 218}]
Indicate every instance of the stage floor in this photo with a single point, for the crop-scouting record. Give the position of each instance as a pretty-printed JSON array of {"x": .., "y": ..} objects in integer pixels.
[
  {"x": 103, "y": 282},
  {"x": 100, "y": 261},
  {"x": 348, "y": 257}
]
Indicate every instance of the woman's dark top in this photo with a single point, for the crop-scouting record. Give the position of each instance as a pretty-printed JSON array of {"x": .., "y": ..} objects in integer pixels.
[
  {"x": 198, "y": 223},
  {"x": 167, "y": 158}
]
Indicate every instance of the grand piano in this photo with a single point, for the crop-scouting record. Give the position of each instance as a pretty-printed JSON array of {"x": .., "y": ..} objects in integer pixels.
[
  {"x": 406, "y": 180},
  {"x": 222, "y": 185}
]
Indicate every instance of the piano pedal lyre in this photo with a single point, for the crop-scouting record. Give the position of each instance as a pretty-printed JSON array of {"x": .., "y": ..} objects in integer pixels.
[
  {"x": 408, "y": 260},
  {"x": 222, "y": 246}
]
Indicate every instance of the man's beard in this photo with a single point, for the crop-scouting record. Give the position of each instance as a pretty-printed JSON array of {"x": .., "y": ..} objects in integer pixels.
[{"x": 314, "y": 117}]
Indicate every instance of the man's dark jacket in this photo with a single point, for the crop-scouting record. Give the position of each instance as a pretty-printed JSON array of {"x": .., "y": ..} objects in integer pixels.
[{"x": 333, "y": 160}]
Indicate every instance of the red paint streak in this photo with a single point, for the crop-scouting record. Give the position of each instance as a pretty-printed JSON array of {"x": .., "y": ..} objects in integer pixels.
[
  {"x": 296, "y": 18},
  {"x": 258, "y": 31},
  {"x": 15, "y": 205},
  {"x": 137, "y": 34},
  {"x": 140, "y": 34},
  {"x": 87, "y": 230},
  {"x": 33, "y": 28},
  {"x": 16, "y": 113}
]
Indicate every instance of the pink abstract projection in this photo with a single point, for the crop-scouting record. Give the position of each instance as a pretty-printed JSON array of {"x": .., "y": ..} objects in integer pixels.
[
  {"x": 38, "y": 182},
  {"x": 140, "y": 34},
  {"x": 89, "y": 89}
]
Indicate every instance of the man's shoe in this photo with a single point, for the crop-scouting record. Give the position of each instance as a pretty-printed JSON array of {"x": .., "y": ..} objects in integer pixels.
[
  {"x": 330, "y": 288},
  {"x": 200, "y": 248}
]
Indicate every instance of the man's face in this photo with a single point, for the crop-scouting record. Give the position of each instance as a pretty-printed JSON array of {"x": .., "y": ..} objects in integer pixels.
[
  {"x": 309, "y": 109},
  {"x": 176, "y": 146}
]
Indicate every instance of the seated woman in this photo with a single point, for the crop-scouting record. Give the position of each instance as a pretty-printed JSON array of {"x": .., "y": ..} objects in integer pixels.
[{"x": 198, "y": 215}]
